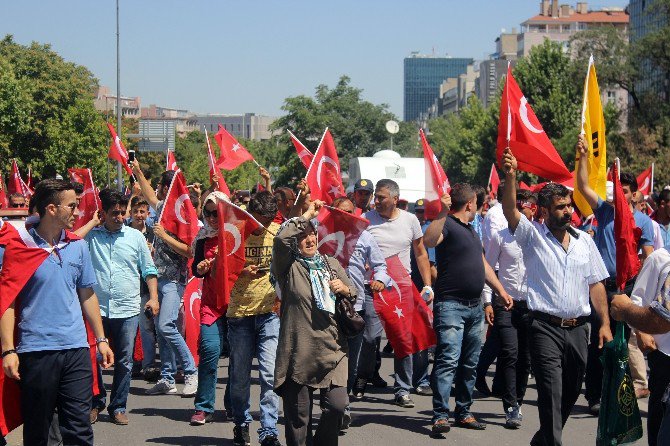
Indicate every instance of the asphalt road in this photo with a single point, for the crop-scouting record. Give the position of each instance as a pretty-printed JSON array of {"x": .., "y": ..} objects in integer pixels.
[{"x": 164, "y": 420}]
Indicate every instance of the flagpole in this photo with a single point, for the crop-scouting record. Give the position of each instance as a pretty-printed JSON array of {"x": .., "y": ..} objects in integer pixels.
[
  {"x": 586, "y": 92},
  {"x": 311, "y": 164},
  {"x": 118, "y": 96},
  {"x": 174, "y": 177},
  {"x": 651, "y": 189}
]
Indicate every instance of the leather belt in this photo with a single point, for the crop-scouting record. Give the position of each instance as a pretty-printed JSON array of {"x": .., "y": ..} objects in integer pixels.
[{"x": 559, "y": 322}]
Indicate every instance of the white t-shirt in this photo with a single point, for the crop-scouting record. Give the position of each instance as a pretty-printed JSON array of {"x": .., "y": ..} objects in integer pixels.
[{"x": 395, "y": 236}]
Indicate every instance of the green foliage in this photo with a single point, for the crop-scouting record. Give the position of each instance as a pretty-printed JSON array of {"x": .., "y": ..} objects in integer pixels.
[{"x": 47, "y": 118}]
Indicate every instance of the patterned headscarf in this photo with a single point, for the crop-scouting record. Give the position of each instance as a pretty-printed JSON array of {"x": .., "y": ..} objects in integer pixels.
[{"x": 207, "y": 231}]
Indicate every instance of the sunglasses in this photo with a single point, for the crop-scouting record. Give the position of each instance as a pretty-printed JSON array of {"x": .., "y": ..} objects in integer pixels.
[
  {"x": 18, "y": 205},
  {"x": 72, "y": 206},
  {"x": 526, "y": 205},
  {"x": 214, "y": 213}
]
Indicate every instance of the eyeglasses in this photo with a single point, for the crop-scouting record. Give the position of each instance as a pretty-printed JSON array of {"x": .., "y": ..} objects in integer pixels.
[
  {"x": 72, "y": 206},
  {"x": 214, "y": 213},
  {"x": 17, "y": 205}
]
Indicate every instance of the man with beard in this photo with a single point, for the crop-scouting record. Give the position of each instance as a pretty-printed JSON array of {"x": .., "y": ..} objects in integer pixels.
[{"x": 563, "y": 267}]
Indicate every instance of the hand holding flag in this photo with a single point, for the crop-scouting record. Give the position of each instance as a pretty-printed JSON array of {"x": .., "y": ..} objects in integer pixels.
[
  {"x": 437, "y": 183},
  {"x": 178, "y": 214},
  {"x": 323, "y": 176}
]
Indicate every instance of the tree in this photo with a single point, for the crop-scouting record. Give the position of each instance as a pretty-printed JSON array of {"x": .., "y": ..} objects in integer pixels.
[{"x": 47, "y": 118}]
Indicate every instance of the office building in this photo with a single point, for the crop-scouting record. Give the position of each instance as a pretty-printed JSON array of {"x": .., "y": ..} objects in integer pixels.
[
  {"x": 248, "y": 125},
  {"x": 652, "y": 79}
]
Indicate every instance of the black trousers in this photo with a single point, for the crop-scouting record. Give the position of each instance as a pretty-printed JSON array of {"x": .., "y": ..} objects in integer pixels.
[
  {"x": 558, "y": 358},
  {"x": 659, "y": 378},
  {"x": 298, "y": 404},
  {"x": 60, "y": 379},
  {"x": 514, "y": 355}
]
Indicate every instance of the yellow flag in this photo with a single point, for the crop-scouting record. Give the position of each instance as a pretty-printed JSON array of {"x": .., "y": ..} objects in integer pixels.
[{"x": 593, "y": 129}]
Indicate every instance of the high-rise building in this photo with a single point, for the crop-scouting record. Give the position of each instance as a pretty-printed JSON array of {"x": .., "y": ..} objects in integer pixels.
[
  {"x": 423, "y": 76},
  {"x": 652, "y": 79}
]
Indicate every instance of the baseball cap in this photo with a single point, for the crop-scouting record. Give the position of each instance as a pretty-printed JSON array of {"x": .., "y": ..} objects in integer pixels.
[
  {"x": 419, "y": 205},
  {"x": 364, "y": 184}
]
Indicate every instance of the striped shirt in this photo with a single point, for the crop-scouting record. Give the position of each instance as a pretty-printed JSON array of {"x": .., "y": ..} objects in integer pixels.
[
  {"x": 558, "y": 280},
  {"x": 504, "y": 251}
]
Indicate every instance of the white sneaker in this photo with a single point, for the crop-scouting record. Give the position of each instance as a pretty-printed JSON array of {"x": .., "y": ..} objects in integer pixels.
[
  {"x": 162, "y": 387},
  {"x": 190, "y": 386}
]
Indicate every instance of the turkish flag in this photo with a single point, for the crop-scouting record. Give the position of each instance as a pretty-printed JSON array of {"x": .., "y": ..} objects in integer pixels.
[
  {"x": 323, "y": 176},
  {"x": 494, "y": 180},
  {"x": 645, "y": 180},
  {"x": 117, "y": 151},
  {"x": 21, "y": 259},
  {"x": 303, "y": 152},
  {"x": 232, "y": 152},
  {"x": 437, "y": 183},
  {"x": 16, "y": 183},
  {"x": 214, "y": 170},
  {"x": 171, "y": 163},
  {"x": 178, "y": 215},
  {"x": 192, "y": 299},
  {"x": 338, "y": 233},
  {"x": 519, "y": 129},
  {"x": 406, "y": 318},
  {"x": 235, "y": 224},
  {"x": 626, "y": 234},
  {"x": 89, "y": 203}
]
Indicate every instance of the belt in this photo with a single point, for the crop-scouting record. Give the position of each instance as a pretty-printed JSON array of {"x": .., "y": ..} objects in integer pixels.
[
  {"x": 559, "y": 322},
  {"x": 520, "y": 305}
]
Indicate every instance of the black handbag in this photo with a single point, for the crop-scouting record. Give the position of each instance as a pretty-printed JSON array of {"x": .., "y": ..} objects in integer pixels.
[{"x": 350, "y": 323}]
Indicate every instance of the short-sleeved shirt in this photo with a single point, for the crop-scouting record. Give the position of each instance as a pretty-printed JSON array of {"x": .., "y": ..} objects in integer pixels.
[
  {"x": 170, "y": 265},
  {"x": 604, "y": 238},
  {"x": 49, "y": 311},
  {"x": 395, "y": 235},
  {"x": 558, "y": 280},
  {"x": 460, "y": 265}
]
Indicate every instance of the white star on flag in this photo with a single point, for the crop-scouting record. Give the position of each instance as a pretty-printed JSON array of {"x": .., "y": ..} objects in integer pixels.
[
  {"x": 236, "y": 147},
  {"x": 334, "y": 190},
  {"x": 398, "y": 311}
]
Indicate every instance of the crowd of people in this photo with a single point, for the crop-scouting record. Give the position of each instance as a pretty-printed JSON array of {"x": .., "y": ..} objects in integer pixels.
[{"x": 515, "y": 265}]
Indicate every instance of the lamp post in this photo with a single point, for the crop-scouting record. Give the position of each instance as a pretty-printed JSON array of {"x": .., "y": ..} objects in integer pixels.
[{"x": 118, "y": 97}]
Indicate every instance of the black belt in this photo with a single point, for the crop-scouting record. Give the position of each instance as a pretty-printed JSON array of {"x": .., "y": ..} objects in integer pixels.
[
  {"x": 559, "y": 322},
  {"x": 520, "y": 305}
]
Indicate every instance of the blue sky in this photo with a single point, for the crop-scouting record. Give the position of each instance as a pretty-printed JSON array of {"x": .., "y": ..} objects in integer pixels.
[{"x": 247, "y": 56}]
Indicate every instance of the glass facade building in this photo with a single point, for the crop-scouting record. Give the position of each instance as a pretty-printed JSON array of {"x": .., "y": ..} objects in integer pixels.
[
  {"x": 642, "y": 22},
  {"x": 423, "y": 76}
]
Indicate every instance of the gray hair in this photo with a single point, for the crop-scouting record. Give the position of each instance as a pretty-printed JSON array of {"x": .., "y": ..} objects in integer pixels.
[{"x": 391, "y": 185}]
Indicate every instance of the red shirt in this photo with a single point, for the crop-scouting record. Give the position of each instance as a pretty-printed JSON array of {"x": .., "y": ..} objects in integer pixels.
[{"x": 209, "y": 313}]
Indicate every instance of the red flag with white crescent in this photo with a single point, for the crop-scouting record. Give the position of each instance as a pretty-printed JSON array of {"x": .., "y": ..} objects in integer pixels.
[
  {"x": 437, "y": 183},
  {"x": 214, "y": 170},
  {"x": 494, "y": 180},
  {"x": 89, "y": 202},
  {"x": 117, "y": 151},
  {"x": 232, "y": 152},
  {"x": 520, "y": 130},
  {"x": 323, "y": 177},
  {"x": 235, "y": 224},
  {"x": 178, "y": 215},
  {"x": 644, "y": 181},
  {"x": 192, "y": 299},
  {"x": 407, "y": 319},
  {"x": 626, "y": 234},
  {"x": 16, "y": 183},
  {"x": 21, "y": 259},
  {"x": 171, "y": 163},
  {"x": 303, "y": 152},
  {"x": 338, "y": 233}
]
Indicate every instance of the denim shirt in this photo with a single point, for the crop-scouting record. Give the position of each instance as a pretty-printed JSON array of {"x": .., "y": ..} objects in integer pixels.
[
  {"x": 367, "y": 253},
  {"x": 120, "y": 260}
]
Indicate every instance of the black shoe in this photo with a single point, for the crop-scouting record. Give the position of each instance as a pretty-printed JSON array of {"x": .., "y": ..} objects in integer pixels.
[
  {"x": 482, "y": 387},
  {"x": 358, "y": 390},
  {"x": 241, "y": 435},
  {"x": 270, "y": 440},
  {"x": 594, "y": 408},
  {"x": 387, "y": 350},
  {"x": 441, "y": 427},
  {"x": 378, "y": 381},
  {"x": 346, "y": 420},
  {"x": 424, "y": 390},
  {"x": 403, "y": 401}
]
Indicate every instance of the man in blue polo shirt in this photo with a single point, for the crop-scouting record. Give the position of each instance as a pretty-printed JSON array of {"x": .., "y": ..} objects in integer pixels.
[
  {"x": 604, "y": 238},
  {"x": 51, "y": 357},
  {"x": 121, "y": 258}
]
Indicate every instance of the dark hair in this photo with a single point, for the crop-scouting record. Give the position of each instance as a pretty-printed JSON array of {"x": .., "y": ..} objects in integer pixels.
[
  {"x": 546, "y": 196},
  {"x": 663, "y": 195},
  {"x": 286, "y": 193},
  {"x": 138, "y": 201},
  {"x": 16, "y": 195},
  {"x": 111, "y": 198},
  {"x": 48, "y": 192},
  {"x": 481, "y": 196},
  {"x": 264, "y": 204},
  {"x": 391, "y": 185},
  {"x": 78, "y": 187},
  {"x": 525, "y": 195},
  {"x": 339, "y": 200},
  {"x": 166, "y": 177},
  {"x": 195, "y": 198},
  {"x": 628, "y": 179},
  {"x": 460, "y": 194}
]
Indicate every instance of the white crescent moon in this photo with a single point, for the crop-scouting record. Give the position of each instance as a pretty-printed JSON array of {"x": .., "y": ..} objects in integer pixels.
[
  {"x": 303, "y": 153},
  {"x": 523, "y": 112},
  {"x": 178, "y": 206},
  {"x": 194, "y": 295},
  {"x": 232, "y": 229},
  {"x": 645, "y": 185},
  {"x": 325, "y": 159},
  {"x": 397, "y": 288},
  {"x": 338, "y": 237}
]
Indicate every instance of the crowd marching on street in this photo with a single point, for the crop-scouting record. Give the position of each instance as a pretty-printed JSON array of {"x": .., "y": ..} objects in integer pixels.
[{"x": 162, "y": 281}]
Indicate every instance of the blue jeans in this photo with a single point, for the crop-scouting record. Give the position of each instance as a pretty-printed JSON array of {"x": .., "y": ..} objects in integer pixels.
[
  {"x": 458, "y": 328},
  {"x": 148, "y": 335},
  {"x": 248, "y": 337},
  {"x": 171, "y": 344},
  {"x": 410, "y": 371},
  {"x": 211, "y": 342},
  {"x": 355, "y": 344},
  {"x": 367, "y": 357},
  {"x": 122, "y": 333}
]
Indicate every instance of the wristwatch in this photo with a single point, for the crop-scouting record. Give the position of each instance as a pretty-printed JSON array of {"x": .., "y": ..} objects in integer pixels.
[
  {"x": 487, "y": 304},
  {"x": 99, "y": 340}
]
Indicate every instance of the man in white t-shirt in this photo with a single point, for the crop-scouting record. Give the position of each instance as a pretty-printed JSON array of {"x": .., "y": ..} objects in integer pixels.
[{"x": 396, "y": 232}]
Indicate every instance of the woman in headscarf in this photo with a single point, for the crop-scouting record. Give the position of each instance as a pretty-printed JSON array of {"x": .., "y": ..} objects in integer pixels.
[
  {"x": 312, "y": 351},
  {"x": 213, "y": 328}
]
